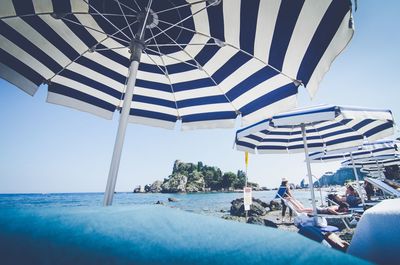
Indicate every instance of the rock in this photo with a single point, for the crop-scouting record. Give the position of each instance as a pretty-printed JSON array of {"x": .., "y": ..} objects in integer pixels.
[
  {"x": 262, "y": 203},
  {"x": 175, "y": 183},
  {"x": 137, "y": 189},
  {"x": 237, "y": 208},
  {"x": 147, "y": 188},
  {"x": 255, "y": 220},
  {"x": 256, "y": 208},
  {"x": 260, "y": 221},
  {"x": 156, "y": 186},
  {"x": 234, "y": 218},
  {"x": 172, "y": 199},
  {"x": 270, "y": 223},
  {"x": 274, "y": 206}
]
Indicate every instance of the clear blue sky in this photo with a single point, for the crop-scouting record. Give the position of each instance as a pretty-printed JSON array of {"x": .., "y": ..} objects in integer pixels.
[{"x": 50, "y": 148}]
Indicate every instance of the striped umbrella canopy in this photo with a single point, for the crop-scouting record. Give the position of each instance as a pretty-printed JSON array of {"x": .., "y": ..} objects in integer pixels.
[
  {"x": 377, "y": 162},
  {"x": 374, "y": 172},
  {"x": 371, "y": 152},
  {"x": 321, "y": 128},
  {"x": 200, "y": 62},
  {"x": 365, "y": 151}
]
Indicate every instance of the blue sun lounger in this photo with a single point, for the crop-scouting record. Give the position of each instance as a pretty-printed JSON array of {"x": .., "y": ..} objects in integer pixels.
[
  {"x": 281, "y": 191},
  {"x": 384, "y": 187}
]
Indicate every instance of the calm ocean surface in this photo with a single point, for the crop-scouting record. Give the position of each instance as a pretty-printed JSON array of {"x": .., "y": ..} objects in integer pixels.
[{"x": 214, "y": 203}]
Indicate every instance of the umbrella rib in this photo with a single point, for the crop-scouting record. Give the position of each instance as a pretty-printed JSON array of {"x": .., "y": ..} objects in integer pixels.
[
  {"x": 126, "y": 20},
  {"x": 350, "y": 128},
  {"x": 107, "y": 49},
  {"x": 232, "y": 46},
  {"x": 178, "y": 7},
  {"x": 320, "y": 136},
  {"x": 110, "y": 14},
  {"x": 174, "y": 25},
  {"x": 99, "y": 31},
  {"x": 145, "y": 19},
  {"x": 66, "y": 14},
  {"x": 88, "y": 50},
  {"x": 167, "y": 76},
  {"x": 181, "y": 44},
  {"x": 126, "y": 6},
  {"x": 106, "y": 19},
  {"x": 202, "y": 69},
  {"x": 155, "y": 63},
  {"x": 137, "y": 5},
  {"x": 42, "y": 14},
  {"x": 173, "y": 58}
]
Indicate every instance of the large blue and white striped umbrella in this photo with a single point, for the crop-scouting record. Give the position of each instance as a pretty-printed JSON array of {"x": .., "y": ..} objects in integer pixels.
[
  {"x": 199, "y": 62},
  {"x": 321, "y": 128}
]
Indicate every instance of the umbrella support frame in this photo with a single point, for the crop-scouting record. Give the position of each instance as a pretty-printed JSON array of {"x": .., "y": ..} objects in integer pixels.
[
  {"x": 137, "y": 46},
  {"x": 311, "y": 184},
  {"x": 357, "y": 180},
  {"x": 123, "y": 122}
]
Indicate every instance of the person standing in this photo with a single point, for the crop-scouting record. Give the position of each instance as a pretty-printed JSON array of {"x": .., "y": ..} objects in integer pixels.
[{"x": 287, "y": 194}]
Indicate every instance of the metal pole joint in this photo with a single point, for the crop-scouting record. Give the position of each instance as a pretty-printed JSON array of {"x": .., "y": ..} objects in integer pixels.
[{"x": 135, "y": 48}]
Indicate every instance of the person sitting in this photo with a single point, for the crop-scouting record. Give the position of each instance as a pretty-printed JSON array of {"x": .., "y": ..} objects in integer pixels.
[
  {"x": 343, "y": 207},
  {"x": 351, "y": 197}
]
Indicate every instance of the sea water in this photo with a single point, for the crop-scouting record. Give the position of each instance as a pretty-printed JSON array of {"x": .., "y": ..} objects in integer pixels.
[{"x": 211, "y": 203}]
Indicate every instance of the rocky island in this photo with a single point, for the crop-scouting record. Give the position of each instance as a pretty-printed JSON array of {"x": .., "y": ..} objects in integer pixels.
[{"x": 190, "y": 177}]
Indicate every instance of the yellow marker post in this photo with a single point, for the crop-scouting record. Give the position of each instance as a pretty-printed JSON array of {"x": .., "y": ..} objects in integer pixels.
[{"x": 247, "y": 196}]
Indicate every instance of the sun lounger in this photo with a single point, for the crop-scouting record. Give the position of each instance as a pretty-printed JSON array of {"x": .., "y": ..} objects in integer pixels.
[
  {"x": 345, "y": 217},
  {"x": 358, "y": 209},
  {"x": 384, "y": 187},
  {"x": 281, "y": 191}
]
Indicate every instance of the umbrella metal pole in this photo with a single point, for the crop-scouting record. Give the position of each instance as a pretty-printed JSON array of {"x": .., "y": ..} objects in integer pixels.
[
  {"x": 137, "y": 45},
  {"x": 357, "y": 179},
  {"x": 303, "y": 132},
  {"x": 320, "y": 191},
  {"x": 123, "y": 121}
]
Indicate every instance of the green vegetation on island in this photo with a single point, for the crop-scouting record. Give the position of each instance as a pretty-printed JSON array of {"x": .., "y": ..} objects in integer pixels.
[{"x": 190, "y": 177}]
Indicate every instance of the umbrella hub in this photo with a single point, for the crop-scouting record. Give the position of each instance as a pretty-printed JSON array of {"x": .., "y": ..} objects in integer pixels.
[{"x": 152, "y": 19}]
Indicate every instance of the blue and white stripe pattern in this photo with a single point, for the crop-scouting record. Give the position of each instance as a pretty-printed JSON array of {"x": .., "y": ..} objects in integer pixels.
[
  {"x": 205, "y": 62},
  {"x": 365, "y": 151},
  {"x": 327, "y": 128},
  {"x": 375, "y": 162}
]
